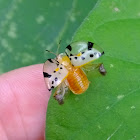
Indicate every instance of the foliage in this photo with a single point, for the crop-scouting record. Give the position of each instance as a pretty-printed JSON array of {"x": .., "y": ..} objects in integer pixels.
[{"x": 110, "y": 107}]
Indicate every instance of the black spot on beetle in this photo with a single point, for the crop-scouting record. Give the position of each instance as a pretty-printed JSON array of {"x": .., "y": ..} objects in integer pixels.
[
  {"x": 83, "y": 52},
  {"x": 82, "y": 58},
  {"x": 61, "y": 68},
  {"x": 71, "y": 54},
  {"x": 70, "y": 58},
  {"x": 57, "y": 62},
  {"x": 52, "y": 82},
  {"x": 56, "y": 79},
  {"x": 54, "y": 71},
  {"x": 75, "y": 57},
  {"x": 91, "y": 55},
  {"x": 50, "y": 60},
  {"x": 52, "y": 87},
  {"x": 49, "y": 89},
  {"x": 90, "y": 45},
  {"x": 102, "y": 53},
  {"x": 46, "y": 75},
  {"x": 69, "y": 47}
]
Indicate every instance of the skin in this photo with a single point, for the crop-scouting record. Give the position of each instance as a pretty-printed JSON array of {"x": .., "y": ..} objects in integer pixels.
[{"x": 23, "y": 104}]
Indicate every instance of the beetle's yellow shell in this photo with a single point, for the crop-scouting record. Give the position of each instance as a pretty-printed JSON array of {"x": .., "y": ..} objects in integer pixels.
[{"x": 77, "y": 80}]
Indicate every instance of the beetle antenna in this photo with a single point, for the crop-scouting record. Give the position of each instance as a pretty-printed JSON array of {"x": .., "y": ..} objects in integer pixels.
[
  {"x": 51, "y": 52},
  {"x": 58, "y": 47}
]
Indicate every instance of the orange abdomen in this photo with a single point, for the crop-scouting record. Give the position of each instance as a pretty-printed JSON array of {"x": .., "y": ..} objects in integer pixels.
[{"x": 78, "y": 82}]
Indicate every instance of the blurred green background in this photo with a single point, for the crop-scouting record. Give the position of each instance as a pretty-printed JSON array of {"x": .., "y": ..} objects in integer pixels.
[{"x": 28, "y": 28}]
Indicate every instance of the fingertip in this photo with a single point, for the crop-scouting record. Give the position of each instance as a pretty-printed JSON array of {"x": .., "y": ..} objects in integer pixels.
[
  {"x": 28, "y": 79},
  {"x": 23, "y": 92}
]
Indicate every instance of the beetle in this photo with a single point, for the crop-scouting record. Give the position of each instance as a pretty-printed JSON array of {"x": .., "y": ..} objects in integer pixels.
[{"x": 65, "y": 71}]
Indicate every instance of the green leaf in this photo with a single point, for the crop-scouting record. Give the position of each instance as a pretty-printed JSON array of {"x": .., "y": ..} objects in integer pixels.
[{"x": 110, "y": 108}]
